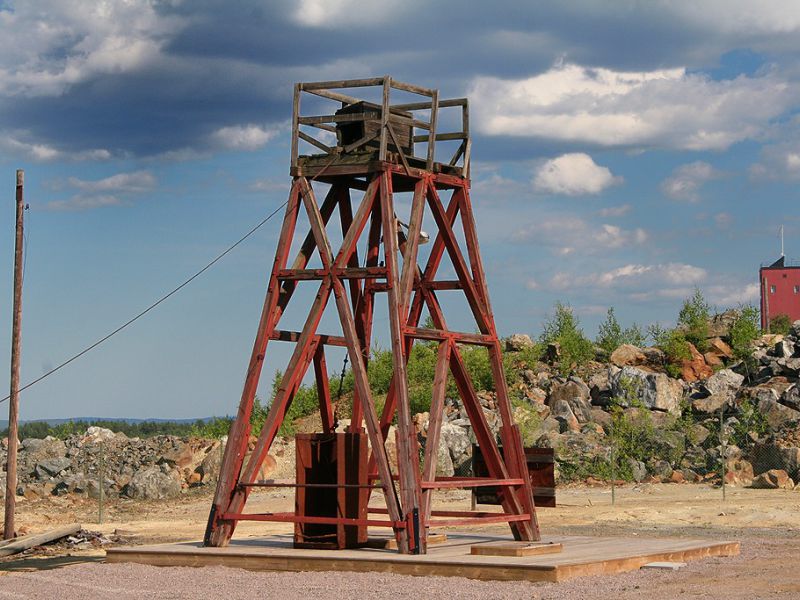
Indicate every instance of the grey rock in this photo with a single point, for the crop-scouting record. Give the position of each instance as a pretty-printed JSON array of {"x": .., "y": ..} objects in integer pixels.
[
  {"x": 562, "y": 412},
  {"x": 791, "y": 397},
  {"x": 153, "y": 484},
  {"x": 638, "y": 469},
  {"x": 51, "y": 467},
  {"x": 575, "y": 393},
  {"x": 784, "y": 348},
  {"x": 656, "y": 391},
  {"x": 458, "y": 443},
  {"x": 777, "y": 415},
  {"x": 711, "y": 404},
  {"x": 518, "y": 341},
  {"x": 724, "y": 382},
  {"x": 661, "y": 468}
]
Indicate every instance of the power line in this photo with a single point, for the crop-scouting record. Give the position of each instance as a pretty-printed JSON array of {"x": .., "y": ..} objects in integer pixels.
[{"x": 154, "y": 304}]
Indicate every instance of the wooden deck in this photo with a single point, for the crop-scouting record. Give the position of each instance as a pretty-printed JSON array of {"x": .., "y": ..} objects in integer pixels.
[{"x": 580, "y": 556}]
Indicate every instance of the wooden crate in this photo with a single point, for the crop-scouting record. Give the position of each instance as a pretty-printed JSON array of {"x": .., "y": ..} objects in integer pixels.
[
  {"x": 338, "y": 459},
  {"x": 350, "y": 132}
]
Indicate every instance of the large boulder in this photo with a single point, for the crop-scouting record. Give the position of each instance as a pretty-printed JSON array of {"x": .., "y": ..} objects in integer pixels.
[
  {"x": 720, "y": 325},
  {"x": 562, "y": 412},
  {"x": 36, "y": 450},
  {"x": 695, "y": 368},
  {"x": 153, "y": 483},
  {"x": 210, "y": 465},
  {"x": 458, "y": 443},
  {"x": 776, "y": 414},
  {"x": 656, "y": 391},
  {"x": 724, "y": 382},
  {"x": 628, "y": 355},
  {"x": 50, "y": 467},
  {"x": 575, "y": 393},
  {"x": 518, "y": 341},
  {"x": 773, "y": 479}
]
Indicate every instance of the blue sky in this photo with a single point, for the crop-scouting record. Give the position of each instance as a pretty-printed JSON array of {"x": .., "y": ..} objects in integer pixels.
[{"x": 624, "y": 153}]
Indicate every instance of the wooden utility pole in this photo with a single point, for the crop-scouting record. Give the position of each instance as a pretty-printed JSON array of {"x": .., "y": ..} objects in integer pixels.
[{"x": 13, "y": 405}]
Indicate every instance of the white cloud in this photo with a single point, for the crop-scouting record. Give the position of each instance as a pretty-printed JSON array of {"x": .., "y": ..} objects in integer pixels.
[
  {"x": 613, "y": 236},
  {"x": 335, "y": 13},
  {"x": 780, "y": 161},
  {"x": 615, "y": 211},
  {"x": 567, "y": 235},
  {"x": 573, "y": 174},
  {"x": 15, "y": 143},
  {"x": 242, "y": 137},
  {"x": 80, "y": 203},
  {"x": 666, "y": 108},
  {"x": 633, "y": 277},
  {"x": 269, "y": 185},
  {"x": 733, "y": 294},
  {"x": 49, "y": 46},
  {"x": 687, "y": 180},
  {"x": 739, "y": 16},
  {"x": 130, "y": 183}
]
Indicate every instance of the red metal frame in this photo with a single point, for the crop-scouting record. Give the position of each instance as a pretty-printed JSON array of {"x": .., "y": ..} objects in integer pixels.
[{"x": 409, "y": 288}]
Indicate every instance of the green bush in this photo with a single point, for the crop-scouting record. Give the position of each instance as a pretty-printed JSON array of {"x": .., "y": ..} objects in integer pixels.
[
  {"x": 675, "y": 346},
  {"x": 693, "y": 320},
  {"x": 744, "y": 331},
  {"x": 563, "y": 328},
  {"x": 780, "y": 324},
  {"x": 611, "y": 335}
]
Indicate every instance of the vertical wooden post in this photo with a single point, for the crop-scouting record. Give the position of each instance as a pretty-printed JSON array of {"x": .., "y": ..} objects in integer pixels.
[{"x": 13, "y": 405}]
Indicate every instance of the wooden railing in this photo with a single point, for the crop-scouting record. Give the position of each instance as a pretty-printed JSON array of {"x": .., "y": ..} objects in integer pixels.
[{"x": 306, "y": 128}]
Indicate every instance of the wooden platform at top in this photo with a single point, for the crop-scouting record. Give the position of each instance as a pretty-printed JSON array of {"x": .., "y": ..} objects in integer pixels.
[
  {"x": 324, "y": 168},
  {"x": 580, "y": 556}
]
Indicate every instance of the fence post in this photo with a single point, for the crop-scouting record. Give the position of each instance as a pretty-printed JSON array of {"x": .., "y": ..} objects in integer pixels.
[
  {"x": 101, "y": 477},
  {"x": 613, "y": 463},
  {"x": 722, "y": 446}
]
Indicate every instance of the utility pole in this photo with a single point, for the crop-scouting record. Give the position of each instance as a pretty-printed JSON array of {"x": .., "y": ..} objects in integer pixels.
[{"x": 13, "y": 405}]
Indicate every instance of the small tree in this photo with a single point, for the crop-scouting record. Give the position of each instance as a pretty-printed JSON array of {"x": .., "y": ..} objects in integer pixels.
[
  {"x": 744, "y": 331},
  {"x": 693, "y": 320},
  {"x": 563, "y": 328},
  {"x": 609, "y": 335},
  {"x": 634, "y": 335}
]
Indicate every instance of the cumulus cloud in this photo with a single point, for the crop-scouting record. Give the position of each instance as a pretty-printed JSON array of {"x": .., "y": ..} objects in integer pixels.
[
  {"x": 615, "y": 211},
  {"x": 686, "y": 181},
  {"x": 80, "y": 203},
  {"x": 664, "y": 108},
  {"x": 47, "y": 47},
  {"x": 781, "y": 160},
  {"x": 17, "y": 144},
  {"x": 100, "y": 193},
  {"x": 667, "y": 279},
  {"x": 130, "y": 183},
  {"x": 566, "y": 235},
  {"x": 733, "y": 294},
  {"x": 335, "y": 13},
  {"x": 242, "y": 137},
  {"x": 573, "y": 174}
]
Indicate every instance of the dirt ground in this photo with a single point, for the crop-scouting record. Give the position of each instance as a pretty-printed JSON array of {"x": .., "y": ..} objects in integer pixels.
[{"x": 767, "y": 523}]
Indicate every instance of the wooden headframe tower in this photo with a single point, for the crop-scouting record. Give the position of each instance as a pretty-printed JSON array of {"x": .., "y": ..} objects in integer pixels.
[{"x": 371, "y": 158}]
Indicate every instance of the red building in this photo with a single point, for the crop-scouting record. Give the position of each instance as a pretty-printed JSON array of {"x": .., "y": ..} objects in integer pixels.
[{"x": 780, "y": 291}]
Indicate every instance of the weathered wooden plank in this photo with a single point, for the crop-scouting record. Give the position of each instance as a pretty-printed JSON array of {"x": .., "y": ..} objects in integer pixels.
[
  {"x": 341, "y": 83},
  {"x": 39, "y": 539}
]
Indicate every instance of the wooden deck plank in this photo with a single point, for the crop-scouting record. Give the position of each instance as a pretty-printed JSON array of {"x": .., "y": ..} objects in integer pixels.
[{"x": 580, "y": 556}]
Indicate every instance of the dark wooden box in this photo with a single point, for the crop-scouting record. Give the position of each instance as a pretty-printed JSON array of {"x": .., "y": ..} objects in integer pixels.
[
  {"x": 331, "y": 459},
  {"x": 350, "y": 132},
  {"x": 541, "y": 470}
]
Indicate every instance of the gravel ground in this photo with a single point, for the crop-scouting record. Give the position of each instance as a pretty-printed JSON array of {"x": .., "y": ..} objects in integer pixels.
[{"x": 760, "y": 572}]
